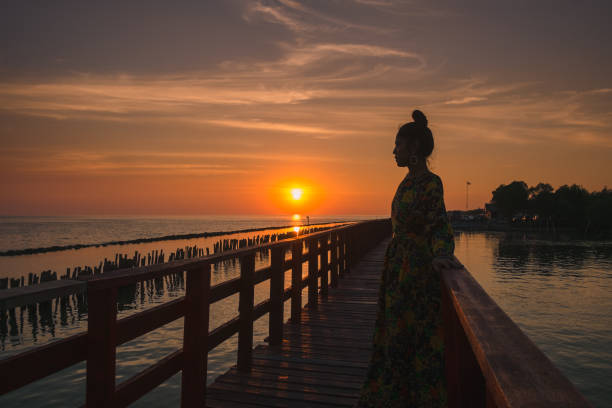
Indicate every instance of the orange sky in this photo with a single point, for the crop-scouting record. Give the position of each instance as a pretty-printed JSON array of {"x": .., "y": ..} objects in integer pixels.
[{"x": 220, "y": 109}]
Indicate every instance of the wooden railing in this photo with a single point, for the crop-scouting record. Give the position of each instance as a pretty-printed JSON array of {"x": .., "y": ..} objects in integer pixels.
[
  {"x": 330, "y": 254},
  {"x": 490, "y": 362}
]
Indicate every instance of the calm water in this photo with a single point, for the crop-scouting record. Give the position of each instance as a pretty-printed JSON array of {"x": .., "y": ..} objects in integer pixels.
[
  {"x": 557, "y": 292},
  {"x": 560, "y": 295},
  {"x": 40, "y": 232},
  {"x": 37, "y": 232}
]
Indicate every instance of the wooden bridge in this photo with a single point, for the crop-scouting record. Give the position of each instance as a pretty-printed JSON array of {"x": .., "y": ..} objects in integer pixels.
[
  {"x": 319, "y": 357},
  {"x": 322, "y": 356}
]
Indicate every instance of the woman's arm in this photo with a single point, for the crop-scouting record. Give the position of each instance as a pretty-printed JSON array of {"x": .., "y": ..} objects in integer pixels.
[{"x": 441, "y": 232}]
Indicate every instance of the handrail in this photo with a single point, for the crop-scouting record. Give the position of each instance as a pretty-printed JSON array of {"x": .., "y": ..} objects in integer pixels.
[
  {"x": 334, "y": 249},
  {"x": 122, "y": 277},
  {"x": 490, "y": 362}
]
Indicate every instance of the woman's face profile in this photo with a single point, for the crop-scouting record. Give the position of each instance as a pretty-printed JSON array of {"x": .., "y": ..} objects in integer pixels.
[{"x": 402, "y": 151}]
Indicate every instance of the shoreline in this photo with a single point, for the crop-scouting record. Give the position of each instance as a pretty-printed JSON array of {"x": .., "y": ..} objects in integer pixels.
[{"x": 561, "y": 233}]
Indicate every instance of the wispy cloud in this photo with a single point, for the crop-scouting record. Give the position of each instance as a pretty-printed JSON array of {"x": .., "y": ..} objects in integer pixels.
[
  {"x": 309, "y": 54},
  {"x": 247, "y": 95},
  {"x": 464, "y": 100},
  {"x": 255, "y": 102},
  {"x": 318, "y": 88},
  {"x": 87, "y": 162},
  {"x": 302, "y": 19},
  {"x": 282, "y": 127}
]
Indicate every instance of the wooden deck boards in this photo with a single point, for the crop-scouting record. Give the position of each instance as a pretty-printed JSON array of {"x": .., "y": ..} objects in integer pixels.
[{"x": 322, "y": 361}]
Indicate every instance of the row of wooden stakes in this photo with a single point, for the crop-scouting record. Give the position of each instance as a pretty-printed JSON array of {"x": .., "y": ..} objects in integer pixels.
[{"x": 123, "y": 261}]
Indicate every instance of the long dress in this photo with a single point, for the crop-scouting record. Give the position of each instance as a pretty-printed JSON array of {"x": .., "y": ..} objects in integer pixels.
[{"x": 406, "y": 368}]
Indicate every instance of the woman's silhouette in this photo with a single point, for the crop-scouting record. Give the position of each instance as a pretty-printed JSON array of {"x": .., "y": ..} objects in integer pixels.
[{"x": 407, "y": 364}]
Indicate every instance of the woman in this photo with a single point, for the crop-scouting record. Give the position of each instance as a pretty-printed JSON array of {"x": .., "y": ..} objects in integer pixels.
[{"x": 407, "y": 364}]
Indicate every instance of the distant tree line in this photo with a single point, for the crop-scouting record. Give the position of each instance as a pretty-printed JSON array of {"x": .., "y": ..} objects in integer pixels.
[{"x": 570, "y": 207}]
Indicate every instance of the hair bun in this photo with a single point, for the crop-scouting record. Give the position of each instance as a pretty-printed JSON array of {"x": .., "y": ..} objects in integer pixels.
[{"x": 419, "y": 118}]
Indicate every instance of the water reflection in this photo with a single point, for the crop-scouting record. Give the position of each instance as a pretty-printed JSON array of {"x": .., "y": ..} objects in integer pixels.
[
  {"x": 31, "y": 324},
  {"x": 532, "y": 254},
  {"x": 558, "y": 292}
]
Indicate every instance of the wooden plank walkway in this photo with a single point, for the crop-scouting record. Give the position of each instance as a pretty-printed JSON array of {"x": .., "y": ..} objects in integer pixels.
[{"x": 322, "y": 361}]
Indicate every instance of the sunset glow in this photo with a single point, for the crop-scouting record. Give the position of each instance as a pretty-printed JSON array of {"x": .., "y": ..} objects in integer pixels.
[{"x": 134, "y": 124}]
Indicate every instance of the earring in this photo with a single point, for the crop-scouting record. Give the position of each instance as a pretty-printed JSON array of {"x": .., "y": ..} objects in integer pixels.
[{"x": 413, "y": 159}]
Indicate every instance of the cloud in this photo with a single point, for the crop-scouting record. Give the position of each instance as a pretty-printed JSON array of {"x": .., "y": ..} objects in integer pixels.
[
  {"x": 528, "y": 117},
  {"x": 375, "y": 2},
  {"x": 319, "y": 85},
  {"x": 258, "y": 102},
  {"x": 145, "y": 163},
  {"x": 303, "y": 75},
  {"x": 283, "y": 127},
  {"x": 307, "y": 55},
  {"x": 464, "y": 100},
  {"x": 85, "y": 163},
  {"x": 304, "y": 20}
]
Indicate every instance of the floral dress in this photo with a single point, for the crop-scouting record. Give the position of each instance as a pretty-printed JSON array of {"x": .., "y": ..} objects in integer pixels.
[{"x": 407, "y": 364}]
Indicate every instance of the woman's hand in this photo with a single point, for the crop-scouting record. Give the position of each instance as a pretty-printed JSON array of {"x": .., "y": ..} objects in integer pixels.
[{"x": 441, "y": 263}]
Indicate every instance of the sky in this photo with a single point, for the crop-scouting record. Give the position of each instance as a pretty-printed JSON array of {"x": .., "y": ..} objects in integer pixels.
[{"x": 223, "y": 107}]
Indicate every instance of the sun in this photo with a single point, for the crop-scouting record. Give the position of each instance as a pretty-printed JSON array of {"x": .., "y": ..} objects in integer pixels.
[
  {"x": 296, "y": 194},
  {"x": 296, "y": 217}
]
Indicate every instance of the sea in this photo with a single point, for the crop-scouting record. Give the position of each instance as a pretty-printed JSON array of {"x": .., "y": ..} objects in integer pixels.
[{"x": 559, "y": 292}]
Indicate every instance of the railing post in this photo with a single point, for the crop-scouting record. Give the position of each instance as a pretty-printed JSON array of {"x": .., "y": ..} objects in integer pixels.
[
  {"x": 195, "y": 337},
  {"x": 334, "y": 259},
  {"x": 296, "y": 280},
  {"x": 277, "y": 286},
  {"x": 313, "y": 271},
  {"x": 342, "y": 256},
  {"x": 245, "y": 309},
  {"x": 101, "y": 343},
  {"x": 348, "y": 254},
  {"x": 324, "y": 265},
  {"x": 357, "y": 244}
]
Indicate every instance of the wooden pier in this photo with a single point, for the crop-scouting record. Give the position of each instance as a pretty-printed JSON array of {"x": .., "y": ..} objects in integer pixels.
[
  {"x": 322, "y": 358},
  {"x": 319, "y": 358}
]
